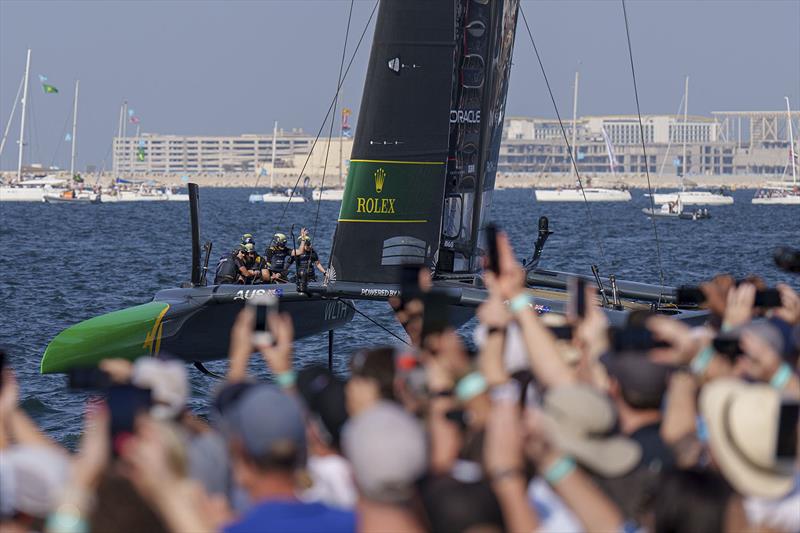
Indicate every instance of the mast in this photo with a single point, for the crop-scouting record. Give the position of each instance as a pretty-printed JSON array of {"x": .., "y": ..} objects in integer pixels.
[
  {"x": 74, "y": 129},
  {"x": 118, "y": 142},
  {"x": 272, "y": 165},
  {"x": 575, "y": 122},
  {"x": 341, "y": 140},
  {"x": 792, "y": 156},
  {"x": 11, "y": 116},
  {"x": 22, "y": 121},
  {"x": 685, "y": 127}
]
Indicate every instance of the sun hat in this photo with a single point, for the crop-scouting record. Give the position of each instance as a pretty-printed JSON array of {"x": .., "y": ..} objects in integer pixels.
[
  {"x": 742, "y": 422},
  {"x": 582, "y": 422},
  {"x": 32, "y": 479},
  {"x": 387, "y": 450},
  {"x": 168, "y": 382}
]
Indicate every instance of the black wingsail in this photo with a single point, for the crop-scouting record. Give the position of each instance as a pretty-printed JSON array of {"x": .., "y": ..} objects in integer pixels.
[{"x": 427, "y": 138}]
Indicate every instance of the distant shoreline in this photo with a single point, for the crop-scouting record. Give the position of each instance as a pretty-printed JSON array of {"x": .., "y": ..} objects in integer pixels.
[{"x": 503, "y": 181}]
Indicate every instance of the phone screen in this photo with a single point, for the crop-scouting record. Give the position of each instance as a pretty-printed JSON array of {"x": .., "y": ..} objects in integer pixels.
[
  {"x": 124, "y": 403},
  {"x": 435, "y": 315},
  {"x": 561, "y": 332},
  {"x": 409, "y": 283},
  {"x": 786, "y": 445},
  {"x": 263, "y": 306},
  {"x": 768, "y": 298},
  {"x": 491, "y": 245},
  {"x": 730, "y": 348},
  {"x": 88, "y": 378},
  {"x": 577, "y": 297}
]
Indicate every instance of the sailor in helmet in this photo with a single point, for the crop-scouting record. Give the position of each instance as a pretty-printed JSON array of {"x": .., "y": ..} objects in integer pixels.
[
  {"x": 278, "y": 258},
  {"x": 307, "y": 260},
  {"x": 249, "y": 264}
]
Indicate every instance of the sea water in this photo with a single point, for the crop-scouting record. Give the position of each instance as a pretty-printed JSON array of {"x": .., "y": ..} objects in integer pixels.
[{"x": 61, "y": 264}]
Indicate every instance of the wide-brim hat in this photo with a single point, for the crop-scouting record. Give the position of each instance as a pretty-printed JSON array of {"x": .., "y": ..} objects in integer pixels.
[
  {"x": 582, "y": 422},
  {"x": 742, "y": 421}
]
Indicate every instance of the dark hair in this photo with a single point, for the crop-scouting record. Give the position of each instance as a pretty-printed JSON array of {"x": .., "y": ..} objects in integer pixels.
[
  {"x": 454, "y": 506},
  {"x": 377, "y": 364},
  {"x": 121, "y": 508},
  {"x": 691, "y": 500}
]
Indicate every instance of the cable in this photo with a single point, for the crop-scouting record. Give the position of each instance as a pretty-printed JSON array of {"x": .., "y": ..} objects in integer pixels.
[
  {"x": 566, "y": 140},
  {"x": 384, "y": 328},
  {"x": 644, "y": 153},
  {"x": 330, "y": 131},
  {"x": 325, "y": 120}
]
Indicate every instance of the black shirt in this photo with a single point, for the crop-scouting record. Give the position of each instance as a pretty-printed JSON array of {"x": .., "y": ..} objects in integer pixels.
[
  {"x": 656, "y": 455},
  {"x": 278, "y": 258},
  {"x": 306, "y": 262}
]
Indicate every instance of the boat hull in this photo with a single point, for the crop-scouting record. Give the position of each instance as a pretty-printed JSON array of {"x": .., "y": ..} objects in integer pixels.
[
  {"x": 693, "y": 198},
  {"x": 57, "y": 199},
  {"x": 785, "y": 200},
  {"x": 26, "y": 194},
  {"x": 575, "y": 195},
  {"x": 333, "y": 195}
]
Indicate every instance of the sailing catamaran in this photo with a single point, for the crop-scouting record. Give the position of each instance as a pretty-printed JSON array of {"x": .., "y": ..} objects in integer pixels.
[
  {"x": 579, "y": 193},
  {"x": 783, "y": 193},
  {"x": 419, "y": 191}
]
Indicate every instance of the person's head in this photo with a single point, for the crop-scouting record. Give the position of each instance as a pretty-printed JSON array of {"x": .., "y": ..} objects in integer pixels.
[
  {"x": 742, "y": 421},
  {"x": 120, "y": 507},
  {"x": 305, "y": 243},
  {"x": 377, "y": 366},
  {"x": 279, "y": 239},
  {"x": 247, "y": 238},
  {"x": 700, "y": 501},
  {"x": 264, "y": 427},
  {"x": 32, "y": 479},
  {"x": 249, "y": 251},
  {"x": 324, "y": 396},
  {"x": 454, "y": 505},
  {"x": 387, "y": 450},
  {"x": 635, "y": 381}
]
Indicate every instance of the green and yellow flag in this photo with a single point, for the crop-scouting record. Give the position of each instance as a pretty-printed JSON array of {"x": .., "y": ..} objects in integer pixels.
[{"x": 49, "y": 89}]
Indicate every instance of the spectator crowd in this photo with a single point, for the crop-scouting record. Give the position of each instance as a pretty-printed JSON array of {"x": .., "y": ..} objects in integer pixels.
[{"x": 528, "y": 432}]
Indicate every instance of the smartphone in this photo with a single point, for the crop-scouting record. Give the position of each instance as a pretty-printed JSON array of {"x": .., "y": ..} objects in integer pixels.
[
  {"x": 561, "y": 332},
  {"x": 633, "y": 339},
  {"x": 88, "y": 378},
  {"x": 435, "y": 315},
  {"x": 263, "y": 306},
  {"x": 689, "y": 295},
  {"x": 786, "y": 441},
  {"x": 768, "y": 298},
  {"x": 491, "y": 248},
  {"x": 409, "y": 283},
  {"x": 728, "y": 346},
  {"x": 577, "y": 297},
  {"x": 125, "y": 402}
]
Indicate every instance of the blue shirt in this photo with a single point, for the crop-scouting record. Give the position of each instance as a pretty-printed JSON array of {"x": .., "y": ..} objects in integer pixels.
[{"x": 293, "y": 517}]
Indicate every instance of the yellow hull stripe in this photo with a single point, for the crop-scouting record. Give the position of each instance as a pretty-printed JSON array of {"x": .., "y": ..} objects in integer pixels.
[
  {"x": 391, "y": 221},
  {"x": 154, "y": 337},
  {"x": 397, "y": 162}
]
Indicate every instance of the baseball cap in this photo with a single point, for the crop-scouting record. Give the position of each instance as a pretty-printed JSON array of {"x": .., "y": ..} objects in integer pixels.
[
  {"x": 582, "y": 422},
  {"x": 265, "y": 419},
  {"x": 742, "y": 421},
  {"x": 324, "y": 395},
  {"x": 386, "y": 448},
  {"x": 32, "y": 479}
]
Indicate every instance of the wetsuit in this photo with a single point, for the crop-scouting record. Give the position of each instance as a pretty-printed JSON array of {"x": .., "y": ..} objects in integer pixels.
[
  {"x": 227, "y": 269},
  {"x": 278, "y": 260},
  {"x": 306, "y": 262}
]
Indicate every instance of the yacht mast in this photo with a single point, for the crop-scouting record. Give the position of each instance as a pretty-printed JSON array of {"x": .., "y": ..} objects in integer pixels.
[
  {"x": 574, "y": 123},
  {"x": 272, "y": 165},
  {"x": 11, "y": 117},
  {"x": 74, "y": 129},
  {"x": 685, "y": 126},
  {"x": 792, "y": 155},
  {"x": 118, "y": 142},
  {"x": 22, "y": 120}
]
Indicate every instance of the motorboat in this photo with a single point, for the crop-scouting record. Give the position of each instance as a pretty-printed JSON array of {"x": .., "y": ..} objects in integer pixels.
[
  {"x": 693, "y": 198},
  {"x": 72, "y": 196},
  {"x": 676, "y": 210},
  {"x": 143, "y": 193},
  {"x": 333, "y": 195}
]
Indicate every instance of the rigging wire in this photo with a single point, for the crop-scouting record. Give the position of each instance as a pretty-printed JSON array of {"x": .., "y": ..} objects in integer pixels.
[
  {"x": 333, "y": 121},
  {"x": 644, "y": 153},
  {"x": 384, "y": 328},
  {"x": 566, "y": 140},
  {"x": 325, "y": 120},
  {"x": 60, "y": 139}
]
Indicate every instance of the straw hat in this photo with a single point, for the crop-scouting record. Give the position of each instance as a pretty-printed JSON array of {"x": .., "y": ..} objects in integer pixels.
[
  {"x": 582, "y": 422},
  {"x": 742, "y": 422}
]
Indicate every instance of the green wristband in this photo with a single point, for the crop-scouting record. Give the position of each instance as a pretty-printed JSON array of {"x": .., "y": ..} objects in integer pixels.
[
  {"x": 700, "y": 363},
  {"x": 286, "y": 379},
  {"x": 520, "y": 302},
  {"x": 470, "y": 386},
  {"x": 560, "y": 469},
  {"x": 781, "y": 377}
]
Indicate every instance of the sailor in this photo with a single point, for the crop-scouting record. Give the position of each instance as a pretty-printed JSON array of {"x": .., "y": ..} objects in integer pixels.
[
  {"x": 250, "y": 265},
  {"x": 227, "y": 268},
  {"x": 278, "y": 258},
  {"x": 306, "y": 260}
]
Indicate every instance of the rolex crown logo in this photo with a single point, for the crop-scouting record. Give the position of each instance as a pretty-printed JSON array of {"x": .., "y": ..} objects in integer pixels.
[{"x": 380, "y": 177}]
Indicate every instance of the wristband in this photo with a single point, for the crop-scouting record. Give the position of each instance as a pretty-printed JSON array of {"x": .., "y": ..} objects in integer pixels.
[
  {"x": 559, "y": 470},
  {"x": 781, "y": 377},
  {"x": 519, "y": 302},
  {"x": 700, "y": 363},
  {"x": 506, "y": 392},
  {"x": 470, "y": 386},
  {"x": 286, "y": 379},
  {"x": 66, "y": 519}
]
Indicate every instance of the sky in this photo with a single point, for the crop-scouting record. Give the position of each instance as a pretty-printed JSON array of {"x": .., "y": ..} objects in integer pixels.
[{"x": 226, "y": 68}]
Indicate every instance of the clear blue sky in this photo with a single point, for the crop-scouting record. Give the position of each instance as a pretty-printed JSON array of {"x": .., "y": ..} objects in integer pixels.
[{"x": 209, "y": 67}]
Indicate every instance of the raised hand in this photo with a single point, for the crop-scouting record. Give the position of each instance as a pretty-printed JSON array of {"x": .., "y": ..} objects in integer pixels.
[
  {"x": 278, "y": 356},
  {"x": 789, "y": 311}
]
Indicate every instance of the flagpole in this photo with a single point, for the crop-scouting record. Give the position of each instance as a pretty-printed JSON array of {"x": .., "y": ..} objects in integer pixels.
[
  {"x": 22, "y": 121},
  {"x": 117, "y": 144},
  {"x": 791, "y": 141},
  {"x": 74, "y": 129},
  {"x": 272, "y": 164},
  {"x": 685, "y": 127},
  {"x": 574, "y": 124}
]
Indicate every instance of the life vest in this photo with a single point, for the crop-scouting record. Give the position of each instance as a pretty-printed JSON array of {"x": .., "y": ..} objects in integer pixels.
[
  {"x": 226, "y": 271},
  {"x": 276, "y": 258}
]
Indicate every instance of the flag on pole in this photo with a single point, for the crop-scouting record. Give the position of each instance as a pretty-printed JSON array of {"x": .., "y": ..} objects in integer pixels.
[
  {"x": 131, "y": 112},
  {"x": 140, "y": 154},
  {"x": 49, "y": 89},
  {"x": 42, "y": 78},
  {"x": 134, "y": 119},
  {"x": 68, "y": 137},
  {"x": 346, "y": 130}
]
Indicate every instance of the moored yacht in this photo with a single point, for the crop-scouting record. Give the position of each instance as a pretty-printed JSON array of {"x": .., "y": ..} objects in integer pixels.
[{"x": 593, "y": 194}]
